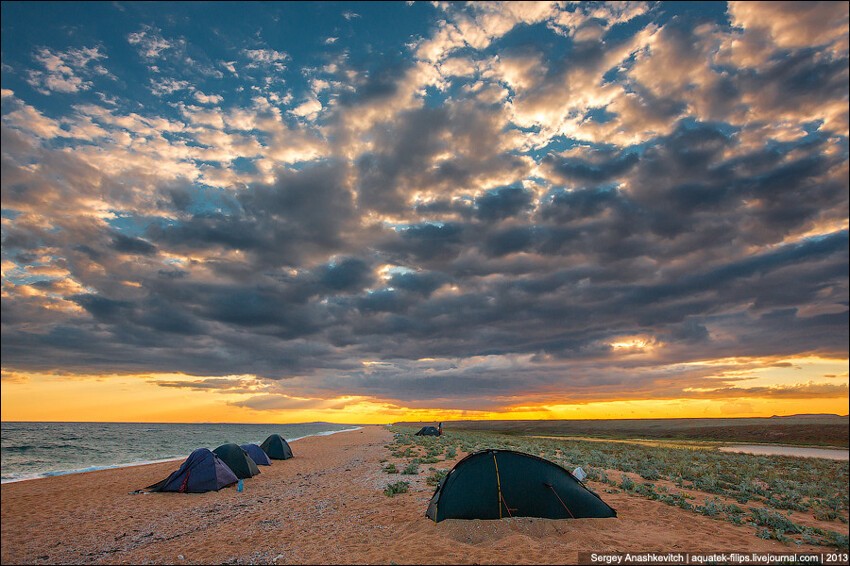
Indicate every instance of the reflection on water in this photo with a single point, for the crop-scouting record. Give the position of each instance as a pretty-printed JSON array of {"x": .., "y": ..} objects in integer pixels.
[{"x": 763, "y": 450}]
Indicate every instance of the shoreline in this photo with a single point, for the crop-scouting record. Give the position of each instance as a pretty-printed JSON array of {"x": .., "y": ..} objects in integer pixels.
[
  {"x": 136, "y": 463},
  {"x": 702, "y": 444},
  {"x": 836, "y": 454}
]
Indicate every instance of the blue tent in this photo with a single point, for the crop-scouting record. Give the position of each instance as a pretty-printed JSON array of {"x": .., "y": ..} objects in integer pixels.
[
  {"x": 257, "y": 455},
  {"x": 202, "y": 471}
]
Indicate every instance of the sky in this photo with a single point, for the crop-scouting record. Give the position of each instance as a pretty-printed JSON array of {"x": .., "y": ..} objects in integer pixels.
[{"x": 373, "y": 212}]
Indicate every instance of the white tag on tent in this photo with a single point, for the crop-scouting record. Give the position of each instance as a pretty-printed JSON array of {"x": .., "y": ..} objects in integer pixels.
[{"x": 579, "y": 474}]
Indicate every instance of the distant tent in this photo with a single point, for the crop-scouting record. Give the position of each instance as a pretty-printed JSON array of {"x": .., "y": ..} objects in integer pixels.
[
  {"x": 237, "y": 460},
  {"x": 276, "y": 447},
  {"x": 202, "y": 471},
  {"x": 257, "y": 455},
  {"x": 428, "y": 431},
  {"x": 493, "y": 484}
]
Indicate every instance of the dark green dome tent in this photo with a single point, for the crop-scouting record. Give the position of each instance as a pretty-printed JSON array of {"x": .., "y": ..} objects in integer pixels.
[
  {"x": 276, "y": 447},
  {"x": 428, "y": 431},
  {"x": 237, "y": 460},
  {"x": 493, "y": 484}
]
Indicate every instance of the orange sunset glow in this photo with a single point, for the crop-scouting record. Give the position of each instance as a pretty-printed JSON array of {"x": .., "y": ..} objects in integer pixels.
[{"x": 790, "y": 387}]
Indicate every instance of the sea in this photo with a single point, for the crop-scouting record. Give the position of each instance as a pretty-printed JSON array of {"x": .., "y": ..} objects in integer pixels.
[
  {"x": 32, "y": 450},
  {"x": 799, "y": 451}
]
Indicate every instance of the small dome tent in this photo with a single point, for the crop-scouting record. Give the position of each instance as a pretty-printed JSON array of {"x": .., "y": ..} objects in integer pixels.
[
  {"x": 276, "y": 447},
  {"x": 237, "y": 460},
  {"x": 428, "y": 431},
  {"x": 201, "y": 471},
  {"x": 493, "y": 484},
  {"x": 257, "y": 455}
]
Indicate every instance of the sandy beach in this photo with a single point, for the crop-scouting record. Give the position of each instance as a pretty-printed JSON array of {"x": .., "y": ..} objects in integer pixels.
[{"x": 326, "y": 505}]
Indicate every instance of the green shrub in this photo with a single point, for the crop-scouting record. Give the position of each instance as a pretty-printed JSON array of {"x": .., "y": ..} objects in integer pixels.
[
  {"x": 711, "y": 508},
  {"x": 764, "y": 517},
  {"x": 825, "y": 514},
  {"x": 390, "y": 469},
  {"x": 436, "y": 477},
  {"x": 646, "y": 489},
  {"x": 411, "y": 470},
  {"x": 650, "y": 474},
  {"x": 594, "y": 474},
  {"x": 395, "y": 488},
  {"x": 733, "y": 509},
  {"x": 837, "y": 539}
]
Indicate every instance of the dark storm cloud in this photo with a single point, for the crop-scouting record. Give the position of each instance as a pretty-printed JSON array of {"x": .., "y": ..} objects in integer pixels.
[
  {"x": 422, "y": 283},
  {"x": 302, "y": 212},
  {"x": 212, "y": 229},
  {"x": 377, "y": 79},
  {"x": 792, "y": 79},
  {"x": 346, "y": 275},
  {"x": 511, "y": 240},
  {"x": 505, "y": 202},
  {"x": 734, "y": 272},
  {"x": 405, "y": 150},
  {"x": 259, "y": 308},
  {"x": 422, "y": 242},
  {"x": 214, "y": 384},
  {"x": 130, "y": 245},
  {"x": 101, "y": 308},
  {"x": 579, "y": 204},
  {"x": 420, "y": 152},
  {"x": 583, "y": 171}
]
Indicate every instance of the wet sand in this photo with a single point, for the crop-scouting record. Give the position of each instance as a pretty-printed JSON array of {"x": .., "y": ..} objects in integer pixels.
[{"x": 324, "y": 506}]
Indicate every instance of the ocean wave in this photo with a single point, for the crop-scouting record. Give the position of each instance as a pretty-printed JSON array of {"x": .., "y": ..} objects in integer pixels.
[
  {"x": 25, "y": 476},
  {"x": 22, "y": 448},
  {"x": 11, "y": 478}
]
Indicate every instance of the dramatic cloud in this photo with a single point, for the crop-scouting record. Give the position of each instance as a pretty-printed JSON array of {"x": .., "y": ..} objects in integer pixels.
[{"x": 490, "y": 205}]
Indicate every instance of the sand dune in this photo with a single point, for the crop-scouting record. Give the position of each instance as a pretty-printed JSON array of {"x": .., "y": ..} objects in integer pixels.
[{"x": 326, "y": 505}]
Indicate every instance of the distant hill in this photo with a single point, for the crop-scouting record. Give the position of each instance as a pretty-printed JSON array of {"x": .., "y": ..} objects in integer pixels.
[
  {"x": 809, "y": 416},
  {"x": 807, "y": 430}
]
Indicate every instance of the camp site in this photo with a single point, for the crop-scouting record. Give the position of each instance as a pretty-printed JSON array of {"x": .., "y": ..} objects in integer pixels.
[
  {"x": 483, "y": 491},
  {"x": 425, "y": 282}
]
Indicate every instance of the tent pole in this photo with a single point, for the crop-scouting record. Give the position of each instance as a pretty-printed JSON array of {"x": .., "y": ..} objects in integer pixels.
[
  {"x": 498, "y": 484},
  {"x": 561, "y": 500}
]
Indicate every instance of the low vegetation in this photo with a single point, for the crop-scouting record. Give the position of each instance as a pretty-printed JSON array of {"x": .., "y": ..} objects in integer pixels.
[
  {"x": 411, "y": 469},
  {"x": 394, "y": 489},
  {"x": 807, "y": 430},
  {"x": 436, "y": 477},
  {"x": 768, "y": 494}
]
